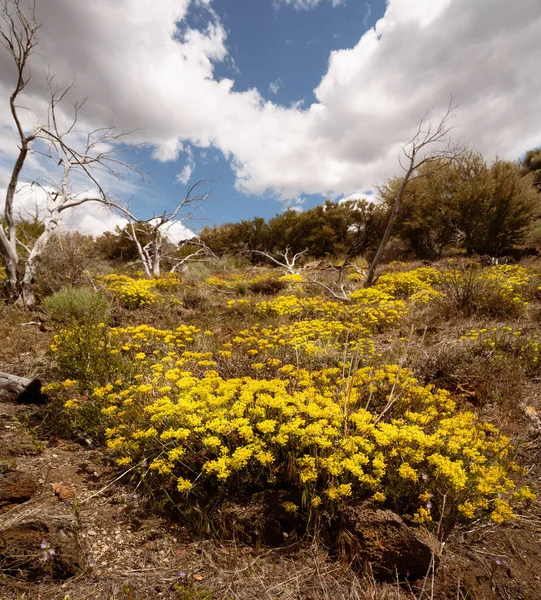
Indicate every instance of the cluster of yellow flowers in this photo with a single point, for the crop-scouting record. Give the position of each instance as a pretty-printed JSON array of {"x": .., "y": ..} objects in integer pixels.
[
  {"x": 3, "y": 276},
  {"x": 137, "y": 293},
  {"x": 404, "y": 284},
  {"x": 376, "y": 433},
  {"x": 375, "y": 310},
  {"x": 293, "y": 278},
  {"x": 300, "y": 341},
  {"x": 232, "y": 281},
  {"x": 333, "y": 434},
  {"x": 301, "y": 405}
]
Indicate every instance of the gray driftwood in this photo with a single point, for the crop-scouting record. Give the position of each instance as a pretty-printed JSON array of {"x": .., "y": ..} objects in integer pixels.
[{"x": 25, "y": 389}]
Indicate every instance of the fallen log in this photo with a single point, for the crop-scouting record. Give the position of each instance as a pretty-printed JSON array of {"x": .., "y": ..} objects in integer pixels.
[{"x": 27, "y": 390}]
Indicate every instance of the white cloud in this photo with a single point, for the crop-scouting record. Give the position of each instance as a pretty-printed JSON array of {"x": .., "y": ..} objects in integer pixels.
[
  {"x": 136, "y": 70},
  {"x": 187, "y": 170},
  {"x": 306, "y": 4},
  {"x": 90, "y": 218},
  {"x": 275, "y": 86},
  {"x": 367, "y": 14},
  {"x": 177, "y": 232},
  {"x": 365, "y": 196}
]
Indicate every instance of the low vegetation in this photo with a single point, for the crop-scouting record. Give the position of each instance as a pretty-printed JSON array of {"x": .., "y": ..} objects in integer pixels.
[{"x": 301, "y": 394}]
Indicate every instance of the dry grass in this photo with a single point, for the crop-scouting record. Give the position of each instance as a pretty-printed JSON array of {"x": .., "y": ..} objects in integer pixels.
[{"x": 218, "y": 571}]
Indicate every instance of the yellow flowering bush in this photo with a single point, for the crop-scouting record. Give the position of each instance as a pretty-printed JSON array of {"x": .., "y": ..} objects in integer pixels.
[
  {"x": 297, "y": 401},
  {"x": 406, "y": 283},
  {"x": 498, "y": 290},
  {"x": 374, "y": 433},
  {"x": 332, "y": 434},
  {"x": 376, "y": 311},
  {"x": 137, "y": 293}
]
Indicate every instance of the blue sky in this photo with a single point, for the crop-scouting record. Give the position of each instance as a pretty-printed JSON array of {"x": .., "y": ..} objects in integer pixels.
[
  {"x": 278, "y": 102},
  {"x": 269, "y": 45}
]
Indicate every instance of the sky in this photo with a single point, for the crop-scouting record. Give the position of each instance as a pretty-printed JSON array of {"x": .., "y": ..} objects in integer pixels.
[{"x": 275, "y": 103}]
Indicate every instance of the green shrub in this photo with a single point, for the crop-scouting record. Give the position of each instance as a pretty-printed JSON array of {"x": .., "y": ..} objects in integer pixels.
[
  {"x": 267, "y": 286},
  {"x": 78, "y": 304}
]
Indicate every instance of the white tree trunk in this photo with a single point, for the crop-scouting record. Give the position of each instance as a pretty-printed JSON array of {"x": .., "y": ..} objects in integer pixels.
[
  {"x": 28, "y": 297},
  {"x": 12, "y": 383}
]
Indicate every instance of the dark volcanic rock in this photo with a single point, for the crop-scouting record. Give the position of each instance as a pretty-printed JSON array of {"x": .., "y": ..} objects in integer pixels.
[
  {"x": 261, "y": 519},
  {"x": 382, "y": 539},
  {"x": 39, "y": 547},
  {"x": 15, "y": 488}
]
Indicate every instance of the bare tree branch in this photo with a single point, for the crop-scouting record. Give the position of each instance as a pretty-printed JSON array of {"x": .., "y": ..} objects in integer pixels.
[
  {"x": 59, "y": 141},
  {"x": 429, "y": 145}
]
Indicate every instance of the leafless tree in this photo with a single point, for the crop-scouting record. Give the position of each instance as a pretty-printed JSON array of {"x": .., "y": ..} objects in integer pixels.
[
  {"x": 201, "y": 253},
  {"x": 285, "y": 261},
  {"x": 83, "y": 157},
  {"x": 430, "y": 145},
  {"x": 312, "y": 272},
  {"x": 151, "y": 238}
]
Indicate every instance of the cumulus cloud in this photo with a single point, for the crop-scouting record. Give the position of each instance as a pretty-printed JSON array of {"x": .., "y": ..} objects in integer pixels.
[
  {"x": 90, "y": 218},
  {"x": 140, "y": 70}
]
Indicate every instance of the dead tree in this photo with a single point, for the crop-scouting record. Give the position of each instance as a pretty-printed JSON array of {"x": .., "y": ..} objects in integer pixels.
[
  {"x": 201, "y": 253},
  {"x": 154, "y": 249},
  {"x": 18, "y": 37},
  {"x": 286, "y": 262},
  {"x": 310, "y": 272},
  {"x": 68, "y": 151},
  {"x": 428, "y": 145},
  {"x": 25, "y": 389}
]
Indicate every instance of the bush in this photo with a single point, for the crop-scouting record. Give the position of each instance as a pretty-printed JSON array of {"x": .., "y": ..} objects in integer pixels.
[
  {"x": 326, "y": 437},
  {"x": 78, "y": 304},
  {"x": 65, "y": 260},
  {"x": 266, "y": 286},
  {"x": 469, "y": 289}
]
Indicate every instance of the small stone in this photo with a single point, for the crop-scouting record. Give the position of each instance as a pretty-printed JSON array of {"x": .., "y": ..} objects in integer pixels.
[
  {"x": 63, "y": 491},
  {"x": 91, "y": 532}
]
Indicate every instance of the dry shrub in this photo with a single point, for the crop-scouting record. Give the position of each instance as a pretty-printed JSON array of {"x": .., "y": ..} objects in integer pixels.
[
  {"x": 65, "y": 260},
  {"x": 267, "y": 286},
  {"x": 491, "y": 382}
]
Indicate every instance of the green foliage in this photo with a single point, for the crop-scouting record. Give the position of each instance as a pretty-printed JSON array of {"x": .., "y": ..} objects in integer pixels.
[
  {"x": 118, "y": 246},
  {"x": 485, "y": 209},
  {"x": 531, "y": 164},
  {"x": 348, "y": 228},
  {"x": 80, "y": 304}
]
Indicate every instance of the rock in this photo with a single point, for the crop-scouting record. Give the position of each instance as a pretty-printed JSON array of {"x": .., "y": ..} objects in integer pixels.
[
  {"x": 382, "y": 539},
  {"x": 260, "y": 519},
  {"x": 63, "y": 491},
  {"x": 15, "y": 441},
  {"x": 40, "y": 546},
  {"x": 15, "y": 488}
]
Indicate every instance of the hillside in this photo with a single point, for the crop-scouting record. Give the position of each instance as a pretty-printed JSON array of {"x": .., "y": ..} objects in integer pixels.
[{"x": 236, "y": 433}]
